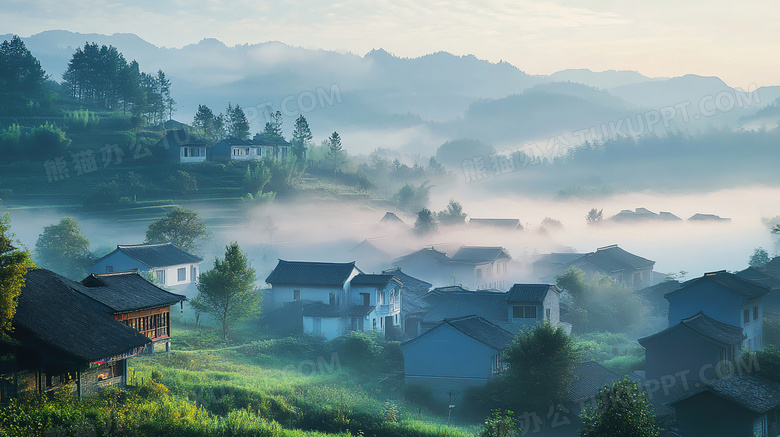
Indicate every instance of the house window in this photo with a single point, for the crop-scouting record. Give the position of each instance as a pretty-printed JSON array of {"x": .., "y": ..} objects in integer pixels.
[
  {"x": 755, "y": 313},
  {"x": 109, "y": 269},
  {"x": 746, "y": 316},
  {"x": 194, "y": 273},
  {"x": 366, "y": 299},
  {"x": 381, "y": 298},
  {"x": 524, "y": 312},
  {"x": 182, "y": 274},
  {"x": 184, "y": 151},
  {"x": 332, "y": 298},
  {"x": 296, "y": 294},
  {"x": 374, "y": 324},
  {"x": 316, "y": 325},
  {"x": 498, "y": 364},
  {"x": 159, "y": 276},
  {"x": 548, "y": 313}
]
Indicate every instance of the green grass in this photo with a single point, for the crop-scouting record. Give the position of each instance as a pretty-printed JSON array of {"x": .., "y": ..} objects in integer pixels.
[{"x": 614, "y": 351}]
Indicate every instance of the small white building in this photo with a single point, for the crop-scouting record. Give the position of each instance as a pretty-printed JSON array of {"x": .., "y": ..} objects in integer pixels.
[
  {"x": 169, "y": 265},
  {"x": 335, "y": 298}
]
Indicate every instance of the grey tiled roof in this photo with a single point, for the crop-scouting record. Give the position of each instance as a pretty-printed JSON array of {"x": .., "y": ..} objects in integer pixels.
[
  {"x": 719, "y": 332},
  {"x": 127, "y": 291},
  {"x": 751, "y": 392},
  {"x": 589, "y": 378},
  {"x": 310, "y": 273},
  {"x": 488, "y": 305},
  {"x": 372, "y": 279},
  {"x": 483, "y": 331},
  {"x": 749, "y": 289},
  {"x": 156, "y": 255},
  {"x": 53, "y": 313},
  {"x": 613, "y": 259},
  {"x": 479, "y": 254},
  {"x": 411, "y": 283},
  {"x": 529, "y": 292},
  {"x": 759, "y": 277}
]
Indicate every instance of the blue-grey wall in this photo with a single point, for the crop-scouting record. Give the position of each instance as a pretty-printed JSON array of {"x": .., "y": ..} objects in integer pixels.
[
  {"x": 681, "y": 350},
  {"x": 714, "y": 300},
  {"x": 121, "y": 263}
]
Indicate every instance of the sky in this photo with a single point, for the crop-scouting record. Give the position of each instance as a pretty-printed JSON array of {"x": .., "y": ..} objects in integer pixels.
[{"x": 735, "y": 40}]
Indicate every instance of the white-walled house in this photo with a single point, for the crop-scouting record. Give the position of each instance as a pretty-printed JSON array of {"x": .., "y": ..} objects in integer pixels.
[
  {"x": 335, "y": 298},
  {"x": 169, "y": 265}
]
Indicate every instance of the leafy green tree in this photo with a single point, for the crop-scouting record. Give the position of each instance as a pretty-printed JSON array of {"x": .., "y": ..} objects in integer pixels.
[
  {"x": 594, "y": 216},
  {"x": 335, "y": 150},
  {"x": 540, "y": 366},
  {"x": 212, "y": 126},
  {"x": 181, "y": 182},
  {"x": 228, "y": 290},
  {"x": 273, "y": 127},
  {"x": 14, "y": 263},
  {"x": 63, "y": 248},
  {"x": 766, "y": 360},
  {"x": 425, "y": 223},
  {"x": 453, "y": 215},
  {"x": 499, "y": 424},
  {"x": 573, "y": 282},
  {"x": 413, "y": 198},
  {"x": 256, "y": 179},
  {"x": 180, "y": 227},
  {"x": 301, "y": 137},
  {"x": 759, "y": 258},
  {"x": 236, "y": 122},
  {"x": 622, "y": 411},
  {"x": 22, "y": 80}
]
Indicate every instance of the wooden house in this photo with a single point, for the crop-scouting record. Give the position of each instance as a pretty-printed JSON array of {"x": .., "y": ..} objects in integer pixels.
[
  {"x": 65, "y": 340},
  {"x": 135, "y": 302}
]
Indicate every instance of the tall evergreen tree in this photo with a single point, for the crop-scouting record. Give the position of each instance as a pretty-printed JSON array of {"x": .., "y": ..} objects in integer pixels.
[
  {"x": 237, "y": 125},
  {"x": 335, "y": 150},
  {"x": 22, "y": 80},
  {"x": 301, "y": 137}
]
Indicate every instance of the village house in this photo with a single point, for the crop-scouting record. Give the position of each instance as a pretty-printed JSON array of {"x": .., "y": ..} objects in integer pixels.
[
  {"x": 521, "y": 307},
  {"x": 335, "y": 298},
  {"x": 168, "y": 265},
  {"x": 412, "y": 307},
  {"x": 454, "y": 355},
  {"x": 739, "y": 405},
  {"x": 699, "y": 347},
  {"x": 182, "y": 147},
  {"x": 65, "y": 340},
  {"x": 475, "y": 267},
  {"x": 768, "y": 276},
  {"x": 724, "y": 297},
  {"x": 235, "y": 149},
  {"x": 622, "y": 266},
  {"x": 135, "y": 302}
]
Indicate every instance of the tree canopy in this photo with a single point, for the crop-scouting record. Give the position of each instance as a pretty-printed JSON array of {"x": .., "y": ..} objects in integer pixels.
[
  {"x": 425, "y": 223},
  {"x": 453, "y": 215},
  {"x": 182, "y": 227},
  {"x": 211, "y": 126},
  {"x": 236, "y": 123},
  {"x": 22, "y": 80},
  {"x": 14, "y": 263},
  {"x": 622, "y": 411},
  {"x": 228, "y": 291},
  {"x": 540, "y": 367},
  {"x": 63, "y": 248}
]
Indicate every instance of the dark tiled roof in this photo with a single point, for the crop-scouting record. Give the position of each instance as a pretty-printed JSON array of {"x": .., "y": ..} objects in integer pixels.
[
  {"x": 759, "y": 277},
  {"x": 180, "y": 138},
  {"x": 488, "y": 305},
  {"x": 426, "y": 251},
  {"x": 390, "y": 217},
  {"x": 589, "y": 378},
  {"x": 749, "y": 289},
  {"x": 529, "y": 292},
  {"x": 411, "y": 283},
  {"x": 773, "y": 267},
  {"x": 494, "y": 222},
  {"x": 613, "y": 259},
  {"x": 235, "y": 141},
  {"x": 358, "y": 310},
  {"x": 450, "y": 289},
  {"x": 748, "y": 391},
  {"x": 127, "y": 291},
  {"x": 718, "y": 332},
  {"x": 559, "y": 258},
  {"x": 660, "y": 288},
  {"x": 414, "y": 306},
  {"x": 310, "y": 273},
  {"x": 156, "y": 255},
  {"x": 478, "y": 254},
  {"x": 375, "y": 280},
  {"x": 51, "y": 311},
  {"x": 482, "y": 330}
]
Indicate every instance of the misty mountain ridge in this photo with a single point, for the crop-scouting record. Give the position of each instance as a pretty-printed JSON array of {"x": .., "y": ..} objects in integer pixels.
[{"x": 452, "y": 94}]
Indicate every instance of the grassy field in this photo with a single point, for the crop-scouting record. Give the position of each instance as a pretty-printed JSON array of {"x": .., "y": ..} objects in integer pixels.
[{"x": 248, "y": 386}]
